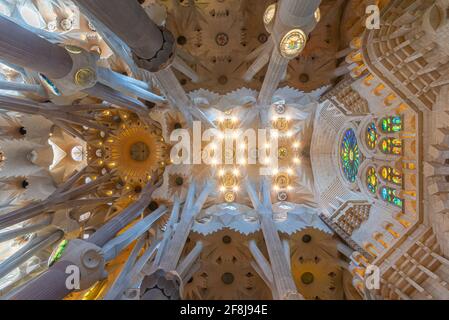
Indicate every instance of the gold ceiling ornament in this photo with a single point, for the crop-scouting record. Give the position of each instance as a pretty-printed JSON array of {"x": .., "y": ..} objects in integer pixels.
[
  {"x": 281, "y": 124},
  {"x": 282, "y": 153},
  {"x": 229, "y": 180},
  {"x": 135, "y": 151},
  {"x": 293, "y": 43},
  {"x": 282, "y": 180},
  {"x": 229, "y": 196}
]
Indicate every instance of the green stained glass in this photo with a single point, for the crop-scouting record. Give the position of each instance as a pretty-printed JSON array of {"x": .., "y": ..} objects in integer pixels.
[
  {"x": 350, "y": 155},
  {"x": 371, "y": 180},
  {"x": 391, "y": 175},
  {"x": 390, "y": 195},
  {"x": 57, "y": 253},
  {"x": 371, "y": 136},
  {"x": 391, "y": 124},
  {"x": 391, "y": 146}
]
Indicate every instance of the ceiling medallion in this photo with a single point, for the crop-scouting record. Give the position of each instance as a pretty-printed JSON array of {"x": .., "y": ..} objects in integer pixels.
[
  {"x": 52, "y": 25},
  {"x": 282, "y": 196},
  {"x": 222, "y": 39},
  {"x": 229, "y": 180},
  {"x": 293, "y": 43},
  {"x": 66, "y": 24},
  {"x": 139, "y": 151},
  {"x": 282, "y": 153},
  {"x": 279, "y": 108},
  {"x": 229, "y": 196},
  {"x": 282, "y": 180},
  {"x": 281, "y": 124}
]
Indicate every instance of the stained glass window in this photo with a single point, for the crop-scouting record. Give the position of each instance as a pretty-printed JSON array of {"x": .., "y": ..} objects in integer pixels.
[
  {"x": 390, "y": 195},
  {"x": 391, "y": 175},
  {"x": 350, "y": 155},
  {"x": 371, "y": 180},
  {"x": 391, "y": 146},
  {"x": 371, "y": 136},
  {"x": 391, "y": 124}
]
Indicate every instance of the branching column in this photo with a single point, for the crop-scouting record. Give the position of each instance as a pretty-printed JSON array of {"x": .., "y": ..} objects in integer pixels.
[
  {"x": 170, "y": 259},
  {"x": 284, "y": 286},
  {"x": 86, "y": 255},
  {"x": 282, "y": 276}
]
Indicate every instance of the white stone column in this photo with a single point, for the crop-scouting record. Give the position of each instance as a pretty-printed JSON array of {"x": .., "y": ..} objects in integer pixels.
[
  {"x": 25, "y": 48},
  {"x": 291, "y": 14},
  {"x": 152, "y": 46}
]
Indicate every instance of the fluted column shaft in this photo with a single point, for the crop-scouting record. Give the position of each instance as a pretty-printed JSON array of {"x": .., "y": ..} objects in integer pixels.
[
  {"x": 29, "y": 250},
  {"x": 22, "y": 47},
  {"x": 290, "y": 14},
  {"x": 282, "y": 276},
  {"x": 48, "y": 286},
  {"x": 276, "y": 70},
  {"x": 128, "y": 21}
]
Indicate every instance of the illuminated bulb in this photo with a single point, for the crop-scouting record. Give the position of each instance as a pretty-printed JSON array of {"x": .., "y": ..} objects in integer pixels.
[
  {"x": 290, "y": 171},
  {"x": 235, "y": 172},
  {"x": 234, "y": 119},
  {"x": 296, "y": 145},
  {"x": 296, "y": 160},
  {"x": 221, "y": 172},
  {"x": 222, "y": 188},
  {"x": 214, "y": 162},
  {"x": 289, "y": 134},
  {"x": 275, "y": 134},
  {"x": 289, "y": 188},
  {"x": 242, "y": 161},
  {"x": 275, "y": 187},
  {"x": 220, "y": 119},
  {"x": 221, "y": 135},
  {"x": 213, "y": 146},
  {"x": 242, "y": 146},
  {"x": 275, "y": 171},
  {"x": 288, "y": 118},
  {"x": 235, "y": 188},
  {"x": 317, "y": 15}
]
